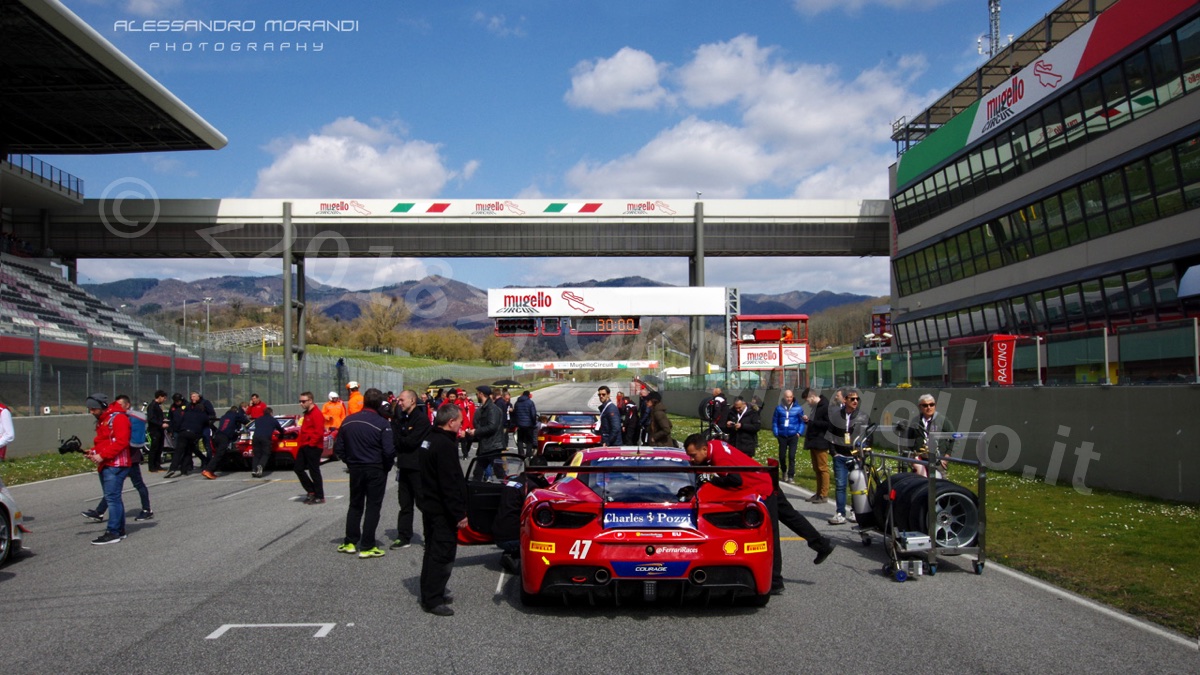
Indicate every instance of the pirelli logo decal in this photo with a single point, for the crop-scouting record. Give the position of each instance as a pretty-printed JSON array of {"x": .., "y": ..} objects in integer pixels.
[
  {"x": 541, "y": 547},
  {"x": 756, "y": 547}
]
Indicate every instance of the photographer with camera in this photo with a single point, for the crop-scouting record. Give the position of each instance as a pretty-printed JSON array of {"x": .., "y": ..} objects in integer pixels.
[
  {"x": 742, "y": 425},
  {"x": 713, "y": 411}
]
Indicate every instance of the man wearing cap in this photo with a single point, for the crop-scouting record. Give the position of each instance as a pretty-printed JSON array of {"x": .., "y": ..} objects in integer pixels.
[
  {"x": 110, "y": 453},
  {"x": 334, "y": 411},
  {"x": 489, "y": 430},
  {"x": 365, "y": 444},
  {"x": 355, "y": 402}
]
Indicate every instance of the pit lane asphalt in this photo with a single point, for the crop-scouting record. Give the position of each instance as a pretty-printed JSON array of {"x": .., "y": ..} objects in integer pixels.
[{"x": 243, "y": 551}]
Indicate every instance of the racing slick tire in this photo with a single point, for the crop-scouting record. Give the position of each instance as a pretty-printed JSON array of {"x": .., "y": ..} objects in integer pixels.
[{"x": 957, "y": 513}]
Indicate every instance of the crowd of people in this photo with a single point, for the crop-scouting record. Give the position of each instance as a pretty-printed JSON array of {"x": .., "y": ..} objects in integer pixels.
[{"x": 424, "y": 437}]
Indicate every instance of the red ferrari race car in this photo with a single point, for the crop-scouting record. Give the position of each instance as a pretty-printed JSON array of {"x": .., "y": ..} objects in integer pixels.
[
  {"x": 565, "y": 433},
  {"x": 632, "y": 524},
  {"x": 286, "y": 446}
]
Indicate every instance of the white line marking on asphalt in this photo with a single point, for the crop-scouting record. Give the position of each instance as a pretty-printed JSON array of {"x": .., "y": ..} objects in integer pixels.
[
  {"x": 500, "y": 584},
  {"x": 323, "y": 628},
  {"x": 242, "y": 492},
  {"x": 1107, "y": 611}
]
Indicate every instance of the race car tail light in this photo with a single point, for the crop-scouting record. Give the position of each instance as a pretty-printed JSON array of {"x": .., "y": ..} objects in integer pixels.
[
  {"x": 543, "y": 515},
  {"x": 752, "y": 516},
  {"x": 726, "y": 520}
]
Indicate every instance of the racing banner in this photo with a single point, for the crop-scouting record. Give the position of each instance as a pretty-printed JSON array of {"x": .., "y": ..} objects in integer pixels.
[{"x": 1003, "y": 349}]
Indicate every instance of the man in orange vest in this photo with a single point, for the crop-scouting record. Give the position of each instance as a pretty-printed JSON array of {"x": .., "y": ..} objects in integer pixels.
[
  {"x": 334, "y": 411},
  {"x": 355, "y": 403}
]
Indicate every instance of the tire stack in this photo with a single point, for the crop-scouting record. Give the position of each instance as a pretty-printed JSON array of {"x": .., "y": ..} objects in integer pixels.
[{"x": 957, "y": 508}]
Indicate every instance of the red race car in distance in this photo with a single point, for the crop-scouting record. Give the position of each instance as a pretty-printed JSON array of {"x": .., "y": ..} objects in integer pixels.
[
  {"x": 285, "y": 446},
  {"x": 632, "y": 524},
  {"x": 562, "y": 434}
]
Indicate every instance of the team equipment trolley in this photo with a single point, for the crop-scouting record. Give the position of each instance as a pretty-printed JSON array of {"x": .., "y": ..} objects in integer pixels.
[{"x": 921, "y": 515}]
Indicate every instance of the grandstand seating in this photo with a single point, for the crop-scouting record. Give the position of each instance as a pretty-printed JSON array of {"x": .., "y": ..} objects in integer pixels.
[{"x": 33, "y": 294}]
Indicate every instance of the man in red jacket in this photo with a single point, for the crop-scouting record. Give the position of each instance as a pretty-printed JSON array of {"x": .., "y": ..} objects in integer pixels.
[
  {"x": 719, "y": 453},
  {"x": 311, "y": 443},
  {"x": 110, "y": 453}
]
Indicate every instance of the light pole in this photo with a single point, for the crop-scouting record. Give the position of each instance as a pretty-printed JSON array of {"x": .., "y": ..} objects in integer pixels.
[{"x": 207, "y": 315}]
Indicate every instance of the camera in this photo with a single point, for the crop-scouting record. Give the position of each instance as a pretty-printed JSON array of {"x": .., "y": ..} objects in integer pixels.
[{"x": 72, "y": 444}]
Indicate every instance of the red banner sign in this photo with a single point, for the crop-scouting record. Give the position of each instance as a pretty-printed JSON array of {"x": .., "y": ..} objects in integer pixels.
[{"x": 1004, "y": 348}]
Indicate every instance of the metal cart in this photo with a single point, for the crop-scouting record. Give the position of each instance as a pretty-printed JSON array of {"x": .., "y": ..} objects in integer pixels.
[{"x": 955, "y": 524}]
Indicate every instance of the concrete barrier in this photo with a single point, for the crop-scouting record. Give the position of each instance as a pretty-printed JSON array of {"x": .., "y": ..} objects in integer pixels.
[
  {"x": 44, "y": 433},
  {"x": 1144, "y": 440}
]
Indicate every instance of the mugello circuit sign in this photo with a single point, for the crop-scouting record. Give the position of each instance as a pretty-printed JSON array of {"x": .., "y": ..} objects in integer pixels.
[
  {"x": 580, "y": 302},
  {"x": 770, "y": 357}
]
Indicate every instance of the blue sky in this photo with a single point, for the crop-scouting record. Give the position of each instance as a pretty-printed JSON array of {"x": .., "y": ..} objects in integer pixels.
[{"x": 545, "y": 98}]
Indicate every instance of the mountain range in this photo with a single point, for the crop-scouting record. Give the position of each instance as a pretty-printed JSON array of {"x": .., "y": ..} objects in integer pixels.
[{"x": 435, "y": 301}]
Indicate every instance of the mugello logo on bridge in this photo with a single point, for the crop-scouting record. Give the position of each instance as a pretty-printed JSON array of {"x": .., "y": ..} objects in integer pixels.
[
  {"x": 497, "y": 208},
  {"x": 342, "y": 207},
  {"x": 526, "y": 304},
  {"x": 648, "y": 208}
]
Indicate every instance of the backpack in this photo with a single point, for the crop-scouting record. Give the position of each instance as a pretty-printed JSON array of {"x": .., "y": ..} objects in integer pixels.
[{"x": 137, "y": 428}]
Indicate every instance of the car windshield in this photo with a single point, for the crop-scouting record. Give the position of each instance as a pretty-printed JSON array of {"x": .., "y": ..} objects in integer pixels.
[
  {"x": 633, "y": 486},
  {"x": 574, "y": 420}
]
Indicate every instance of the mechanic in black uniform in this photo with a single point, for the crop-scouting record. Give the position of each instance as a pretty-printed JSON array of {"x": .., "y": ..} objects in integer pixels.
[
  {"x": 262, "y": 440},
  {"x": 410, "y": 427},
  {"x": 443, "y": 504}
]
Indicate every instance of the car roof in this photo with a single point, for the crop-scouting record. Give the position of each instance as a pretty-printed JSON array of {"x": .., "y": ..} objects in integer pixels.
[
  {"x": 572, "y": 412},
  {"x": 592, "y": 454}
]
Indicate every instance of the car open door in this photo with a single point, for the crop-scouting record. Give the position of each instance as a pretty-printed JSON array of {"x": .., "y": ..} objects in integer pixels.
[{"x": 483, "y": 496}]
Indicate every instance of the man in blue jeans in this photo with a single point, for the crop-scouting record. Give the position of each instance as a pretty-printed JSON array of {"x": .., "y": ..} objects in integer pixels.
[
  {"x": 846, "y": 423},
  {"x": 135, "y": 469},
  {"x": 788, "y": 426},
  {"x": 110, "y": 453}
]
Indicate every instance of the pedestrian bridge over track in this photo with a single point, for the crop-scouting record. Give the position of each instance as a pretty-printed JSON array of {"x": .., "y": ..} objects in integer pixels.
[{"x": 267, "y": 228}]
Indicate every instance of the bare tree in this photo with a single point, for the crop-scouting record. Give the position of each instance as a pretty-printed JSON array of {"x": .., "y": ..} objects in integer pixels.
[{"x": 381, "y": 318}]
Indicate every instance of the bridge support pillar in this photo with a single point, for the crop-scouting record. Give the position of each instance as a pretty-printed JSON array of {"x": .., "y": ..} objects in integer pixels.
[
  {"x": 696, "y": 278},
  {"x": 289, "y": 237}
]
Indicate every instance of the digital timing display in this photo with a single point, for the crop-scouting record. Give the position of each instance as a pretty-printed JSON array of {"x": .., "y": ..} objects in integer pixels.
[{"x": 606, "y": 325}]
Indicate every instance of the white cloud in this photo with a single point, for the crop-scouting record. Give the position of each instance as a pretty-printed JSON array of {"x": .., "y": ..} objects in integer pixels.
[
  {"x": 349, "y": 158},
  {"x": 722, "y": 72},
  {"x": 720, "y": 160},
  {"x": 497, "y": 24},
  {"x": 813, "y": 7},
  {"x": 470, "y": 168},
  {"x": 629, "y": 80},
  {"x": 797, "y": 126},
  {"x": 151, "y": 7}
]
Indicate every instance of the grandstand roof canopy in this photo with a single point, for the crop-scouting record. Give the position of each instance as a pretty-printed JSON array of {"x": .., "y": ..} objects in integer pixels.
[
  {"x": 67, "y": 90},
  {"x": 1054, "y": 28}
]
